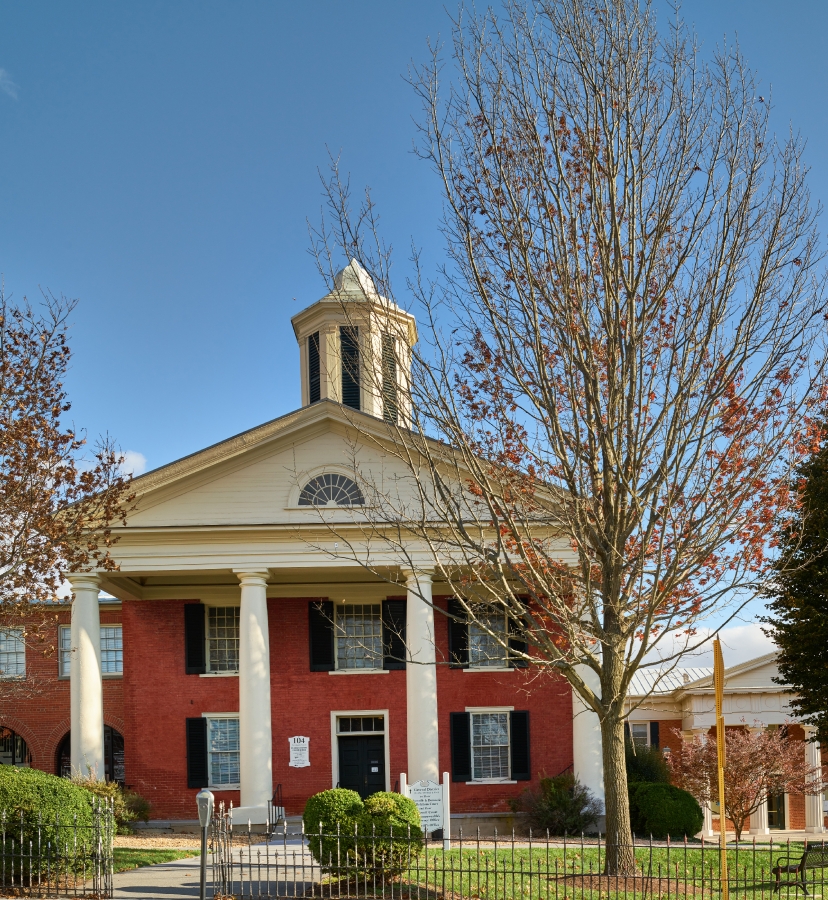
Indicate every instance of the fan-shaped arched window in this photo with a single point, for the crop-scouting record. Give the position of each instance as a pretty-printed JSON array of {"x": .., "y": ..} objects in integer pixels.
[{"x": 331, "y": 490}]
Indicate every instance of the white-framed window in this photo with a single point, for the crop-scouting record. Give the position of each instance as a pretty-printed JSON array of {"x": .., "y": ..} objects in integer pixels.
[
  {"x": 64, "y": 651},
  {"x": 489, "y": 641},
  {"x": 12, "y": 654},
  {"x": 640, "y": 733},
  {"x": 360, "y": 724},
  {"x": 490, "y": 745},
  {"x": 358, "y": 635},
  {"x": 112, "y": 650},
  {"x": 223, "y": 638},
  {"x": 223, "y": 751}
]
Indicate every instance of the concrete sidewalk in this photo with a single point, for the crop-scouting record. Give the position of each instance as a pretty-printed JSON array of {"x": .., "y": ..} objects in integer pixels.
[{"x": 179, "y": 878}]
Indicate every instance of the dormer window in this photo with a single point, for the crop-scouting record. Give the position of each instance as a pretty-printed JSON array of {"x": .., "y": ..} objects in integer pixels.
[{"x": 331, "y": 490}]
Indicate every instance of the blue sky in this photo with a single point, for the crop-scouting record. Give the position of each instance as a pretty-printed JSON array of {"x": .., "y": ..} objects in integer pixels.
[{"x": 159, "y": 162}]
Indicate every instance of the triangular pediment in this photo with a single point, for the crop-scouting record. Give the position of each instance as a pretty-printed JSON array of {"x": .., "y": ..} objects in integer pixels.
[
  {"x": 254, "y": 478},
  {"x": 759, "y": 672}
]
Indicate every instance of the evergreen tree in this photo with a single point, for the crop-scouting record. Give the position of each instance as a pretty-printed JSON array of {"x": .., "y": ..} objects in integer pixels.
[{"x": 798, "y": 619}]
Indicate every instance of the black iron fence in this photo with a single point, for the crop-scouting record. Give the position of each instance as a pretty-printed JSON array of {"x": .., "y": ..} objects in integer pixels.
[
  {"x": 281, "y": 863},
  {"x": 60, "y": 857}
]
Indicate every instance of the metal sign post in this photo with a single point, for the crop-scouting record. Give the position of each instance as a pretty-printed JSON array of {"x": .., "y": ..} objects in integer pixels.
[
  {"x": 205, "y": 802},
  {"x": 718, "y": 685}
]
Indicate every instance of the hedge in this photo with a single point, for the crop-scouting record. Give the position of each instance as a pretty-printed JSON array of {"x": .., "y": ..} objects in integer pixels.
[{"x": 660, "y": 810}]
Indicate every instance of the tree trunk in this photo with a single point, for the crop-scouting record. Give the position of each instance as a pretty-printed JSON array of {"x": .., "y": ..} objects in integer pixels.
[{"x": 620, "y": 859}]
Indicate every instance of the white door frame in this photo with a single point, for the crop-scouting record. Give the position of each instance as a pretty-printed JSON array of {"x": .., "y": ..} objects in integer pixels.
[{"x": 335, "y": 714}]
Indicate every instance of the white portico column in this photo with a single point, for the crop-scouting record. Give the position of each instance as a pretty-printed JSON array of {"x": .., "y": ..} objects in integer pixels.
[
  {"x": 85, "y": 684},
  {"x": 255, "y": 738},
  {"x": 421, "y": 681},
  {"x": 587, "y": 745},
  {"x": 813, "y": 804}
]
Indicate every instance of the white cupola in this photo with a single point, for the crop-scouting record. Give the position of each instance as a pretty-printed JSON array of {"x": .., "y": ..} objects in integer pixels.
[{"x": 355, "y": 348}]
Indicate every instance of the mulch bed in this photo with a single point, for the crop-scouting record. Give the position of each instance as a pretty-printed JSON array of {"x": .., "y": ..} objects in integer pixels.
[{"x": 628, "y": 884}]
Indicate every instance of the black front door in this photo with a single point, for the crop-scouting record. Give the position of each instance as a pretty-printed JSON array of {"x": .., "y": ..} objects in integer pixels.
[{"x": 362, "y": 764}]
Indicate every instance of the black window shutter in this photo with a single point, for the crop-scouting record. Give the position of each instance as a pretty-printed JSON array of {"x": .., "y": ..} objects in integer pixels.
[
  {"x": 393, "y": 634},
  {"x": 314, "y": 374},
  {"x": 349, "y": 357},
  {"x": 195, "y": 650},
  {"x": 197, "y": 775},
  {"x": 389, "y": 378},
  {"x": 461, "y": 747},
  {"x": 321, "y": 633},
  {"x": 517, "y": 644},
  {"x": 519, "y": 734},
  {"x": 458, "y": 635},
  {"x": 654, "y": 734}
]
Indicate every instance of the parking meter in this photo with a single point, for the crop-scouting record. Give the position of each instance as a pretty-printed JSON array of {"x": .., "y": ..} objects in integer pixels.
[{"x": 205, "y": 802}]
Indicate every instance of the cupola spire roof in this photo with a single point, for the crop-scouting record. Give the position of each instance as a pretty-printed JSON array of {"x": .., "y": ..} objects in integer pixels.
[
  {"x": 353, "y": 279},
  {"x": 355, "y": 348}
]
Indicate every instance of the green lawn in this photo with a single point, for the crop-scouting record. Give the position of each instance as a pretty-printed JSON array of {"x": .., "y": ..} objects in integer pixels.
[
  {"x": 129, "y": 858},
  {"x": 547, "y": 873}
]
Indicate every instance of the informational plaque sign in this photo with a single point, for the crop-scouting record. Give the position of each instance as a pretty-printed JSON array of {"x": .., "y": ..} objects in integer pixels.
[
  {"x": 429, "y": 799},
  {"x": 299, "y": 752}
]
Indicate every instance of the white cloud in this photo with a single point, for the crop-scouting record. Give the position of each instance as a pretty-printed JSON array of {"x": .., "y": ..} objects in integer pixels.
[
  {"x": 134, "y": 463},
  {"x": 739, "y": 644},
  {"x": 7, "y": 85}
]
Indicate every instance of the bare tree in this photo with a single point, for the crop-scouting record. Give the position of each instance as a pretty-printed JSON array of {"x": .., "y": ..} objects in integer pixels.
[
  {"x": 56, "y": 503},
  {"x": 620, "y": 357}
]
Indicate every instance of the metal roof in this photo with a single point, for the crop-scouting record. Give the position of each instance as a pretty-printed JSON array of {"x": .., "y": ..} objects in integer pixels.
[{"x": 658, "y": 681}]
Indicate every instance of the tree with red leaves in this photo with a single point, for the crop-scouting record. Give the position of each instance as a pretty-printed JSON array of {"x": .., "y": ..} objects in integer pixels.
[
  {"x": 623, "y": 352},
  {"x": 56, "y": 503},
  {"x": 759, "y": 762}
]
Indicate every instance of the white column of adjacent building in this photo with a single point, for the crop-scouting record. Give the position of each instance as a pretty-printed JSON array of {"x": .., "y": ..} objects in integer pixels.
[
  {"x": 255, "y": 736},
  {"x": 421, "y": 681},
  {"x": 707, "y": 812},
  {"x": 813, "y": 804},
  {"x": 587, "y": 745},
  {"x": 759, "y": 819},
  {"x": 85, "y": 682}
]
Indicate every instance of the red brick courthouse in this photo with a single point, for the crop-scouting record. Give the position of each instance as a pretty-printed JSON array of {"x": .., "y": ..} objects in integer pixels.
[{"x": 236, "y": 624}]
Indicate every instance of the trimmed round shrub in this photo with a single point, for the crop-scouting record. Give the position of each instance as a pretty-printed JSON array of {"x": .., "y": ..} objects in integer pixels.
[
  {"x": 45, "y": 800},
  {"x": 389, "y": 833},
  {"x": 662, "y": 810},
  {"x": 330, "y": 819},
  {"x": 343, "y": 832}
]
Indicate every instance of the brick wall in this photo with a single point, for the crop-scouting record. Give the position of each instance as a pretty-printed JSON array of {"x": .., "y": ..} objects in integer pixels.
[
  {"x": 38, "y": 709},
  {"x": 667, "y": 736},
  {"x": 548, "y": 699},
  {"x": 160, "y": 697}
]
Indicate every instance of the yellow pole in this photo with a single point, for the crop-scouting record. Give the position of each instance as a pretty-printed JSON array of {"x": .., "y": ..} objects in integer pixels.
[{"x": 718, "y": 685}]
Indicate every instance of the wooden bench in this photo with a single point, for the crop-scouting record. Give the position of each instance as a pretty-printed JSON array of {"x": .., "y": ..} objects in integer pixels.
[{"x": 815, "y": 856}]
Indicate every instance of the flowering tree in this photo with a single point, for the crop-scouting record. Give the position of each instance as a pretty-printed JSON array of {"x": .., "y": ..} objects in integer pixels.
[
  {"x": 56, "y": 504},
  {"x": 758, "y": 763},
  {"x": 619, "y": 359}
]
